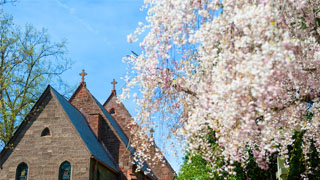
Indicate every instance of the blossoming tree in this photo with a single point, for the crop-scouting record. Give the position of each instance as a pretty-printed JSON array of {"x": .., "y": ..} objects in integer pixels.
[{"x": 247, "y": 69}]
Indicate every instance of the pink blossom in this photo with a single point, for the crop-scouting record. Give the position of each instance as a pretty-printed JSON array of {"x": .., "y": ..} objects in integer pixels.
[{"x": 245, "y": 73}]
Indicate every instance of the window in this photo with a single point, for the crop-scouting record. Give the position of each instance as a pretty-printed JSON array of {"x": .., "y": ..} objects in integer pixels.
[
  {"x": 112, "y": 111},
  {"x": 65, "y": 171},
  {"x": 22, "y": 172},
  {"x": 45, "y": 132}
]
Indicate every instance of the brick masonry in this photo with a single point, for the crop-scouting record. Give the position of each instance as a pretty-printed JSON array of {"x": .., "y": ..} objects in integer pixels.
[
  {"x": 44, "y": 155},
  {"x": 83, "y": 100},
  {"x": 124, "y": 119}
]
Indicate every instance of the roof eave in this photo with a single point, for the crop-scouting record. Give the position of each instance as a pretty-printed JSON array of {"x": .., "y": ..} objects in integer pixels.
[
  {"x": 113, "y": 93},
  {"x": 77, "y": 90},
  {"x": 104, "y": 164}
]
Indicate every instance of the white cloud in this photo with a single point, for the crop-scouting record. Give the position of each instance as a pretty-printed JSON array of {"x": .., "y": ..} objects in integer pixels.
[{"x": 72, "y": 12}]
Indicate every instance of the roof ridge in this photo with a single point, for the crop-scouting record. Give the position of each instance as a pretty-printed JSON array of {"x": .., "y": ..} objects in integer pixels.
[
  {"x": 76, "y": 91},
  {"x": 123, "y": 136},
  {"x": 109, "y": 98},
  {"x": 139, "y": 127},
  {"x": 116, "y": 128},
  {"x": 85, "y": 132},
  {"x": 125, "y": 140}
]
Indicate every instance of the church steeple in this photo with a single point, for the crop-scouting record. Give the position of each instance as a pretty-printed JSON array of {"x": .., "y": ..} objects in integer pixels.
[
  {"x": 82, "y": 74},
  {"x": 82, "y": 90},
  {"x": 114, "y": 82}
]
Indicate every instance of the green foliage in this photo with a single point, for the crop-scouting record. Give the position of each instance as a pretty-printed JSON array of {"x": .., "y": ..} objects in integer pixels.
[
  {"x": 298, "y": 164},
  {"x": 253, "y": 171},
  {"x": 28, "y": 62},
  {"x": 197, "y": 169},
  {"x": 296, "y": 157},
  {"x": 314, "y": 163}
]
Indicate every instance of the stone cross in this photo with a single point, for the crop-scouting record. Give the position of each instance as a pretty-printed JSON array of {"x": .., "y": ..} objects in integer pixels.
[
  {"x": 114, "y": 84},
  {"x": 83, "y": 74}
]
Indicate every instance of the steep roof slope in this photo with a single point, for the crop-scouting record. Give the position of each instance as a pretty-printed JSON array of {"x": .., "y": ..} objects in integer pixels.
[
  {"x": 83, "y": 99},
  {"x": 81, "y": 125},
  {"x": 124, "y": 119},
  {"x": 116, "y": 126},
  {"x": 77, "y": 120}
]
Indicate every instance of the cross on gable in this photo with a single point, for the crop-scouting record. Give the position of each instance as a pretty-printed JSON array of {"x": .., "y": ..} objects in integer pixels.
[
  {"x": 114, "y": 84},
  {"x": 83, "y": 74}
]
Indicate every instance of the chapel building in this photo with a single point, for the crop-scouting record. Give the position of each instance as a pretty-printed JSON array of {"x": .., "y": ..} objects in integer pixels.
[{"x": 76, "y": 139}]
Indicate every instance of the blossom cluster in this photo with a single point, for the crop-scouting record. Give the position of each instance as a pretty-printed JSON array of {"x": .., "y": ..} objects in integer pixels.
[{"x": 247, "y": 69}]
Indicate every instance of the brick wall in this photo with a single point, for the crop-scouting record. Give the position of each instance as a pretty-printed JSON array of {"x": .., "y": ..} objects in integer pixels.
[
  {"x": 83, "y": 101},
  {"x": 123, "y": 117},
  {"x": 44, "y": 155}
]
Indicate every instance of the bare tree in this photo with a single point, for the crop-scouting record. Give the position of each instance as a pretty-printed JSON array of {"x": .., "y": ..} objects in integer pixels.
[{"x": 28, "y": 61}]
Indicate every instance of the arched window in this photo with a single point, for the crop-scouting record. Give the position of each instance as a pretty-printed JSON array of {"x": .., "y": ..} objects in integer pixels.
[
  {"x": 112, "y": 111},
  {"x": 45, "y": 132},
  {"x": 65, "y": 171},
  {"x": 22, "y": 171}
]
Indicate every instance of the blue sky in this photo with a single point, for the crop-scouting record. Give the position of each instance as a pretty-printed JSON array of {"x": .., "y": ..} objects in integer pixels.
[
  {"x": 96, "y": 34},
  {"x": 95, "y": 31}
]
